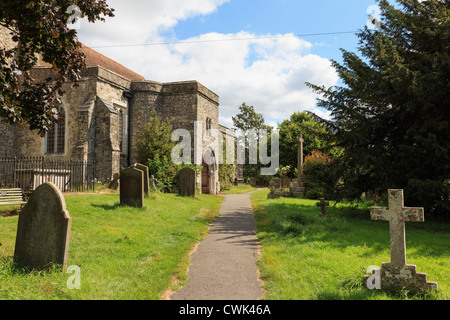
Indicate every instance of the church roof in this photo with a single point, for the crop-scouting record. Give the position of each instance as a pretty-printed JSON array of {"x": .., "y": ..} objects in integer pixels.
[{"x": 94, "y": 58}]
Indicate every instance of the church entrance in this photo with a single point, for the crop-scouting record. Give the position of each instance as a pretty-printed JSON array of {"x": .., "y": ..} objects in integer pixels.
[{"x": 205, "y": 178}]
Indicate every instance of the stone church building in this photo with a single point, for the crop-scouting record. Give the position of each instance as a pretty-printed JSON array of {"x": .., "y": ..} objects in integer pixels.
[{"x": 105, "y": 113}]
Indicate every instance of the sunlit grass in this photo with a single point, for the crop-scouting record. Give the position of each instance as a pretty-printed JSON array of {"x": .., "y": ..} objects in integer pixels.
[
  {"x": 123, "y": 252},
  {"x": 306, "y": 256}
]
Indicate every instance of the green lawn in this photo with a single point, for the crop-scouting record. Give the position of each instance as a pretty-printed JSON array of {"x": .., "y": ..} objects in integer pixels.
[
  {"x": 242, "y": 188},
  {"x": 122, "y": 252},
  {"x": 307, "y": 257}
]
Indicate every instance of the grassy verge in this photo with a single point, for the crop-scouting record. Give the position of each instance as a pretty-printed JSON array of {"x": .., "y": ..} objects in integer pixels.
[
  {"x": 307, "y": 257},
  {"x": 122, "y": 252},
  {"x": 242, "y": 188}
]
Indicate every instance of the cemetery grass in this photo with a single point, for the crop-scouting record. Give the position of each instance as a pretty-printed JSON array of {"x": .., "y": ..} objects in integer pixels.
[
  {"x": 239, "y": 189},
  {"x": 305, "y": 256},
  {"x": 123, "y": 252}
]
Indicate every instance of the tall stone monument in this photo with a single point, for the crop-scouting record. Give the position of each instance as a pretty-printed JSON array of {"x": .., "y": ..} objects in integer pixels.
[
  {"x": 397, "y": 274},
  {"x": 300, "y": 141},
  {"x": 43, "y": 231},
  {"x": 298, "y": 189}
]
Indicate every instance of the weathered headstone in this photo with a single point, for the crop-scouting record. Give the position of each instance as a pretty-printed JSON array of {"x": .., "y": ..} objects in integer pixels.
[
  {"x": 286, "y": 183},
  {"x": 297, "y": 189},
  {"x": 253, "y": 181},
  {"x": 186, "y": 182},
  {"x": 322, "y": 204},
  {"x": 132, "y": 187},
  {"x": 144, "y": 169},
  {"x": 43, "y": 231},
  {"x": 397, "y": 274},
  {"x": 276, "y": 183},
  {"x": 114, "y": 184}
]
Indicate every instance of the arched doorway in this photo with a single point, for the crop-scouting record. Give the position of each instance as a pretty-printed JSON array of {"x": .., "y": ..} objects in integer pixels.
[
  {"x": 208, "y": 164},
  {"x": 205, "y": 178}
]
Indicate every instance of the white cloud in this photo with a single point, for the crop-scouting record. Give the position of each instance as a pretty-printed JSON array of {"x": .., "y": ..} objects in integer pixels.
[{"x": 268, "y": 73}]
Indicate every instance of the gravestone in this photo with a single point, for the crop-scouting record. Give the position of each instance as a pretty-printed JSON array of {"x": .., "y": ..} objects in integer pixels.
[
  {"x": 144, "y": 169},
  {"x": 322, "y": 204},
  {"x": 43, "y": 231},
  {"x": 286, "y": 183},
  {"x": 397, "y": 274},
  {"x": 132, "y": 187},
  {"x": 186, "y": 182},
  {"x": 114, "y": 184},
  {"x": 253, "y": 181},
  {"x": 276, "y": 183},
  {"x": 298, "y": 189}
]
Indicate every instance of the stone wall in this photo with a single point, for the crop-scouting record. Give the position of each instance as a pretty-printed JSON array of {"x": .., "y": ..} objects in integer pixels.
[
  {"x": 5, "y": 39},
  {"x": 146, "y": 95},
  {"x": 92, "y": 117},
  {"x": 8, "y": 140},
  {"x": 182, "y": 103}
]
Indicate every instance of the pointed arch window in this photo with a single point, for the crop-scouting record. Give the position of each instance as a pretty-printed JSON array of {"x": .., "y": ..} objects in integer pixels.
[{"x": 56, "y": 137}]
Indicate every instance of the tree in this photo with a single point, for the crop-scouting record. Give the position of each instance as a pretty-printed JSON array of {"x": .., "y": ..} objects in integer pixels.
[
  {"x": 154, "y": 148},
  {"x": 246, "y": 121},
  {"x": 315, "y": 135},
  {"x": 40, "y": 27},
  {"x": 392, "y": 113}
]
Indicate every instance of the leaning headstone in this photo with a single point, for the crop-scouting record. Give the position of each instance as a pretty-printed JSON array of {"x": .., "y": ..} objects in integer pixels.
[
  {"x": 397, "y": 274},
  {"x": 43, "y": 231},
  {"x": 144, "y": 169},
  {"x": 132, "y": 187},
  {"x": 186, "y": 182}
]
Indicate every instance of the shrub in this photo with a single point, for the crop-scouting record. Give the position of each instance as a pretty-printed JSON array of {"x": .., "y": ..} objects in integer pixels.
[{"x": 321, "y": 174}]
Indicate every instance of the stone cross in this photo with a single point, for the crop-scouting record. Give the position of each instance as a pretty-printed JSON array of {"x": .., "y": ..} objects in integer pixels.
[
  {"x": 300, "y": 141},
  {"x": 397, "y": 215},
  {"x": 43, "y": 230},
  {"x": 322, "y": 204}
]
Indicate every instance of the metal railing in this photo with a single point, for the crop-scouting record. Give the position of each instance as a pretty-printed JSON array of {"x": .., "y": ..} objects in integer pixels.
[{"x": 28, "y": 173}]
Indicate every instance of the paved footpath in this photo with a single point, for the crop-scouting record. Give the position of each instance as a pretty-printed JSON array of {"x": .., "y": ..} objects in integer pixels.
[{"x": 224, "y": 265}]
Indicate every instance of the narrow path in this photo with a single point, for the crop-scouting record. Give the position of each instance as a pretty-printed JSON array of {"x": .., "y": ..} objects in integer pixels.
[{"x": 224, "y": 265}]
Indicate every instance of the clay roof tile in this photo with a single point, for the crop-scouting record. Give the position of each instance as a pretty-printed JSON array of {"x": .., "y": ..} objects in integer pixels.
[{"x": 94, "y": 58}]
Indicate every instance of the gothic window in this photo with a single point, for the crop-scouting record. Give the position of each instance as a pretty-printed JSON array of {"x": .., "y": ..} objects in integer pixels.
[{"x": 56, "y": 137}]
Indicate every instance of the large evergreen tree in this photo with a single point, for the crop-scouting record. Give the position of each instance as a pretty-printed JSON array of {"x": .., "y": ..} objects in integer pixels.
[{"x": 392, "y": 114}]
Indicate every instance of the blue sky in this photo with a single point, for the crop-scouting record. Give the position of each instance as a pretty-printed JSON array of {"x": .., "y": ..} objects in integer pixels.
[
  {"x": 299, "y": 17},
  {"x": 268, "y": 73}
]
